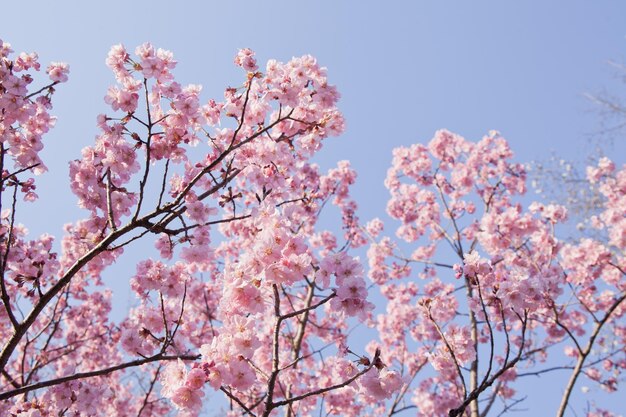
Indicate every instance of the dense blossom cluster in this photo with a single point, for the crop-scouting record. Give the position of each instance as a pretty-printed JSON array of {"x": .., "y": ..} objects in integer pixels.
[
  {"x": 458, "y": 197},
  {"x": 242, "y": 294},
  {"x": 25, "y": 118}
]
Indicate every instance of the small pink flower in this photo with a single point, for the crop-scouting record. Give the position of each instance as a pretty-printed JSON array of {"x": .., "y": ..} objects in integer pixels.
[
  {"x": 245, "y": 59},
  {"x": 58, "y": 71},
  {"x": 186, "y": 398},
  {"x": 195, "y": 379}
]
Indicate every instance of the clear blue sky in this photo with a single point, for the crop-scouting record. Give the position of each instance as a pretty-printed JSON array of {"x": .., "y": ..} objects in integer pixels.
[{"x": 404, "y": 69}]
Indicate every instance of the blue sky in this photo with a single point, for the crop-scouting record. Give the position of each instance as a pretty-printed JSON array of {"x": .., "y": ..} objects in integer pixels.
[{"x": 404, "y": 69}]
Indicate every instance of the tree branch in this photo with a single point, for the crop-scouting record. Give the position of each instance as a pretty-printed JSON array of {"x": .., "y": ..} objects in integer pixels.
[{"x": 99, "y": 372}]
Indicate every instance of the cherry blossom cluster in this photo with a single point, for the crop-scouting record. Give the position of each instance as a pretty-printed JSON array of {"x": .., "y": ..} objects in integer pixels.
[
  {"x": 25, "y": 118},
  {"x": 509, "y": 299},
  {"x": 240, "y": 357}
]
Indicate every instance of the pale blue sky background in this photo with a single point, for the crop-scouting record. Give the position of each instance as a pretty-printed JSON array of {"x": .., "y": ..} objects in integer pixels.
[{"x": 404, "y": 69}]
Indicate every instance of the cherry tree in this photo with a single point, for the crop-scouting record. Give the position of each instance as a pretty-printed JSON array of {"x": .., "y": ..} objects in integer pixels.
[
  {"x": 243, "y": 295},
  {"x": 521, "y": 298}
]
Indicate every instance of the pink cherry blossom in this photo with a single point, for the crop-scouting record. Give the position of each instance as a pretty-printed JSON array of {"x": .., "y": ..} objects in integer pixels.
[
  {"x": 240, "y": 291},
  {"x": 58, "y": 71}
]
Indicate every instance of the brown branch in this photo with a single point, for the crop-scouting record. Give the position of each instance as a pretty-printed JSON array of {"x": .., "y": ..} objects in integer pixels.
[
  {"x": 598, "y": 360},
  {"x": 269, "y": 404},
  {"x": 451, "y": 351},
  {"x": 297, "y": 343},
  {"x": 147, "y": 397},
  {"x": 491, "y": 400},
  {"x": 237, "y": 400},
  {"x": 163, "y": 182},
  {"x": 104, "y": 245},
  {"x": 43, "y": 301},
  {"x": 309, "y": 308},
  {"x": 509, "y": 407},
  {"x": 180, "y": 318},
  {"x": 474, "y": 412},
  {"x": 584, "y": 354},
  {"x": 243, "y": 112},
  {"x": 99, "y": 372},
  {"x": 324, "y": 390},
  {"x": 146, "y": 172},
  {"x": 393, "y": 410},
  {"x": 5, "y": 258},
  {"x": 110, "y": 216},
  {"x": 506, "y": 331},
  {"x": 566, "y": 329},
  {"x": 220, "y": 158},
  {"x": 42, "y": 89},
  {"x": 9, "y": 378},
  {"x": 459, "y": 246},
  {"x": 474, "y": 394},
  {"x": 491, "y": 338},
  {"x": 19, "y": 171}
]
